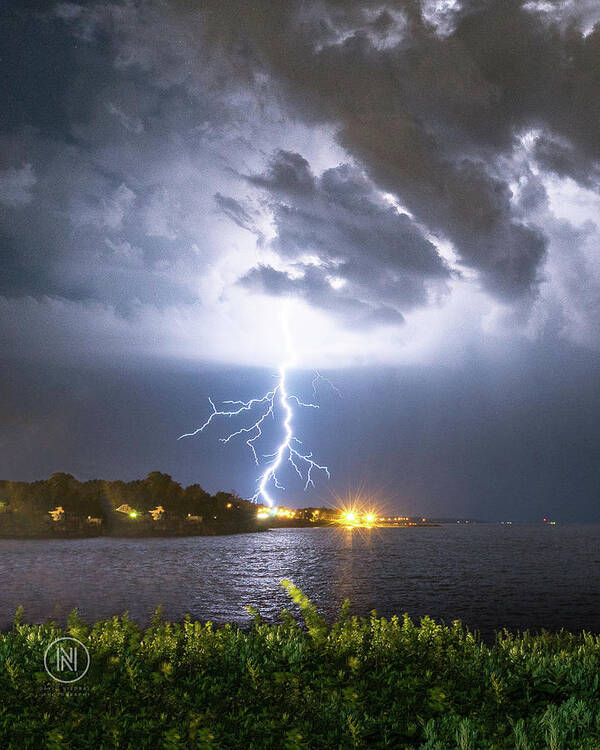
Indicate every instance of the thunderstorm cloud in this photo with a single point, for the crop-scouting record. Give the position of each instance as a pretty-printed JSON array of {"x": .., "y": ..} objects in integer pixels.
[{"x": 368, "y": 159}]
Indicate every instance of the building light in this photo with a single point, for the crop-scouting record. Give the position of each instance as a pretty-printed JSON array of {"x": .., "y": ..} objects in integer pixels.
[{"x": 57, "y": 514}]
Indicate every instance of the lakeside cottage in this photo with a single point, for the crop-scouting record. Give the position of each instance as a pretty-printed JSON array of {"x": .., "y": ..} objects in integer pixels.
[
  {"x": 157, "y": 513},
  {"x": 57, "y": 514}
]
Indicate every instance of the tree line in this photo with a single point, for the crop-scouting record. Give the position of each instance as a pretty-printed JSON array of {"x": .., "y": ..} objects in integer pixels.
[{"x": 99, "y": 498}]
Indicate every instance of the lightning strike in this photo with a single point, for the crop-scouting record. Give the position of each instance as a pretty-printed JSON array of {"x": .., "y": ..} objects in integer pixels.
[
  {"x": 319, "y": 377},
  {"x": 291, "y": 448}
]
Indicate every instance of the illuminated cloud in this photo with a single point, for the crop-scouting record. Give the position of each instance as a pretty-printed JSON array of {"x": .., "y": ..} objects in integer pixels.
[{"x": 387, "y": 166}]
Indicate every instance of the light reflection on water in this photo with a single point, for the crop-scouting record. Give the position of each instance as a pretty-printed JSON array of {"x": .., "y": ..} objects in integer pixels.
[{"x": 489, "y": 576}]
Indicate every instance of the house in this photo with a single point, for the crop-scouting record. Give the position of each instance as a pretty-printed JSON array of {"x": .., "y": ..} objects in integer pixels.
[
  {"x": 57, "y": 514},
  {"x": 157, "y": 513}
]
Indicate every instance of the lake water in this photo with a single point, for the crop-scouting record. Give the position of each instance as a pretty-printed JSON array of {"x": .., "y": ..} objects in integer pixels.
[{"x": 489, "y": 576}]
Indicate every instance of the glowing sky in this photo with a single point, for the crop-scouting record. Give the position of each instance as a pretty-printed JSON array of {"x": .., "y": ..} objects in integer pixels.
[{"x": 418, "y": 180}]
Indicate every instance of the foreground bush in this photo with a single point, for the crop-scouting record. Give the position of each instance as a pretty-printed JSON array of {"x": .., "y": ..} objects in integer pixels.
[{"x": 367, "y": 682}]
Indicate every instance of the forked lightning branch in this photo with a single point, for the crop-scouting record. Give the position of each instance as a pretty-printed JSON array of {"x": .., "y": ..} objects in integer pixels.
[{"x": 276, "y": 403}]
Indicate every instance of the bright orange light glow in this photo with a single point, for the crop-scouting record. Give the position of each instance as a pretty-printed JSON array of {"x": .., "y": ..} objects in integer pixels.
[
  {"x": 358, "y": 517},
  {"x": 359, "y": 508}
]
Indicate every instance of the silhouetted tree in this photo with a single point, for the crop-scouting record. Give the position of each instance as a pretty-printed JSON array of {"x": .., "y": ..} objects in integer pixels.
[{"x": 33, "y": 500}]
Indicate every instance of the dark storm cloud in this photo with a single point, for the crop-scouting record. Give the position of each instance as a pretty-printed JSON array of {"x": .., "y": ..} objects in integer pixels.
[
  {"x": 159, "y": 105},
  {"x": 164, "y": 114},
  {"x": 429, "y": 114},
  {"x": 338, "y": 227},
  {"x": 559, "y": 156},
  {"x": 289, "y": 174},
  {"x": 314, "y": 287},
  {"x": 235, "y": 211},
  {"x": 100, "y": 204}
]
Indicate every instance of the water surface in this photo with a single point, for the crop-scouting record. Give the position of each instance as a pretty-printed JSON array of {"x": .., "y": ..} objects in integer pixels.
[{"x": 489, "y": 576}]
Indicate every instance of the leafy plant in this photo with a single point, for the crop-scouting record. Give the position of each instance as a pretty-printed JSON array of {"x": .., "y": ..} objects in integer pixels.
[{"x": 362, "y": 682}]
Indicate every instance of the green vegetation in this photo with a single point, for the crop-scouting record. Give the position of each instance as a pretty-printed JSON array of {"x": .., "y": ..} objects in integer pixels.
[
  {"x": 99, "y": 506},
  {"x": 359, "y": 683}
]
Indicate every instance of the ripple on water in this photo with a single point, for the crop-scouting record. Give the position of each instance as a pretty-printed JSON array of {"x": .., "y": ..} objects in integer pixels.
[{"x": 489, "y": 576}]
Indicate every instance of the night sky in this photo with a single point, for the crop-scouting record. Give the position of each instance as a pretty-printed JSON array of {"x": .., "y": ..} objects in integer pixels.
[{"x": 417, "y": 183}]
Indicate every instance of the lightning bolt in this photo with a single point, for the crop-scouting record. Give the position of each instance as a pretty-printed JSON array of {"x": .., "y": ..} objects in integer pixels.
[
  {"x": 319, "y": 377},
  {"x": 291, "y": 448}
]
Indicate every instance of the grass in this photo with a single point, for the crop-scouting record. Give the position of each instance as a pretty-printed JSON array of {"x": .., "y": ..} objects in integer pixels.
[{"x": 359, "y": 683}]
